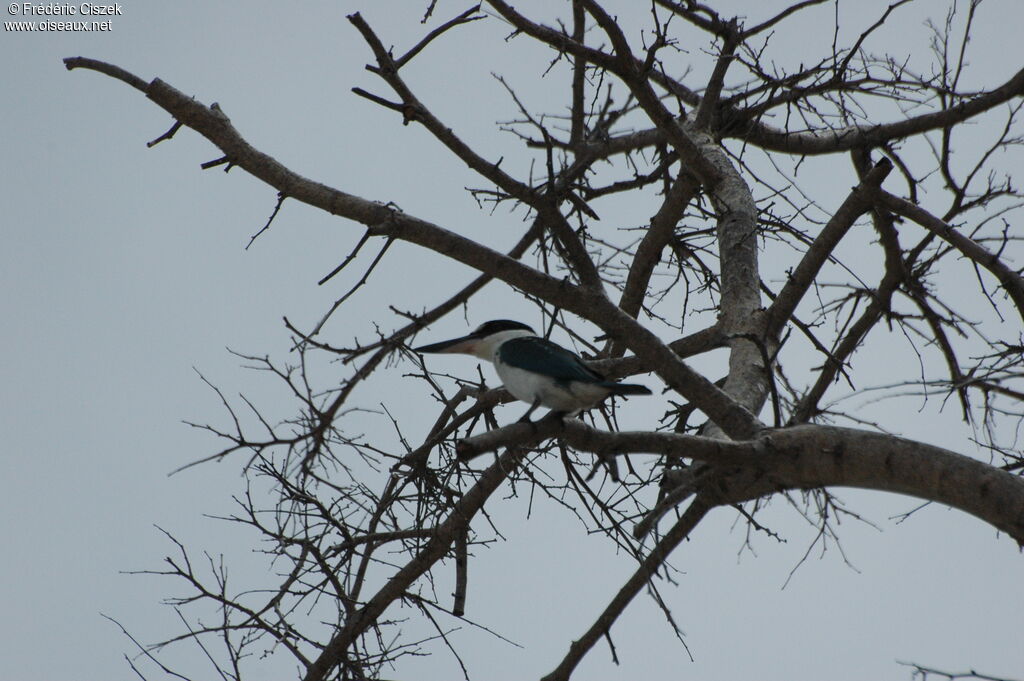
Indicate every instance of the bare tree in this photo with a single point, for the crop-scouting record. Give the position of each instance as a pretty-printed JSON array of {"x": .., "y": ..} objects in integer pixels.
[{"x": 355, "y": 529}]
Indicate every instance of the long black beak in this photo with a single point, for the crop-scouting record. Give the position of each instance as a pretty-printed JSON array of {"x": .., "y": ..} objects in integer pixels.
[{"x": 462, "y": 344}]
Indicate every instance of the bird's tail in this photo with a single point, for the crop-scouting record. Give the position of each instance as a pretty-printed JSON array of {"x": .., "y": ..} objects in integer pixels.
[{"x": 627, "y": 388}]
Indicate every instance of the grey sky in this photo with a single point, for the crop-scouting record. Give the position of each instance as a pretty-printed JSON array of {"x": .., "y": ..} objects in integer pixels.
[{"x": 124, "y": 267}]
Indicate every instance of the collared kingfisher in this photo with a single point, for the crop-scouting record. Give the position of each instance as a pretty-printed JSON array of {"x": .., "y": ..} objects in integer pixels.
[{"x": 535, "y": 370}]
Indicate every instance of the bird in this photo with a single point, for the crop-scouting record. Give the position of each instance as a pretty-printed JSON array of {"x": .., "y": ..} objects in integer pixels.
[{"x": 536, "y": 370}]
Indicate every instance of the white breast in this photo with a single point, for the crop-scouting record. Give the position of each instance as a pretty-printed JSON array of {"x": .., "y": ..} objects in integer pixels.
[{"x": 530, "y": 387}]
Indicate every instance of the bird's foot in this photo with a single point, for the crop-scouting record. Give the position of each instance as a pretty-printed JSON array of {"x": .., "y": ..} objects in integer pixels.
[{"x": 525, "y": 418}]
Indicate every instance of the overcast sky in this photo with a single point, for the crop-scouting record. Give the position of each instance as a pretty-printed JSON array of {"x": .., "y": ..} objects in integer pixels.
[{"x": 124, "y": 269}]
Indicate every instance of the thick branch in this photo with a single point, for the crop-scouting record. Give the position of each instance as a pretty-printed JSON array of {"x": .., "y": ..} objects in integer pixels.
[
  {"x": 111, "y": 70},
  {"x": 811, "y": 457},
  {"x": 740, "y": 283}
]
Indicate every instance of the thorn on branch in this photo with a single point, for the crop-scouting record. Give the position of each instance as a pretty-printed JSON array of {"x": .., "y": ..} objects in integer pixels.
[
  {"x": 607, "y": 460},
  {"x": 376, "y": 99},
  {"x": 611, "y": 646},
  {"x": 356, "y": 287},
  {"x": 409, "y": 112},
  {"x": 348, "y": 258},
  {"x": 218, "y": 162},
  {"x": 281, "y": 196},
  {"x": 166, "y": 136},
  {"x": 429, "y": 12},
  {"x": 922, "y": 673},
  {"x": 582, "y": 206},
  {"x": 463, "y": 18},
  {"x": 461, "y": 563}
]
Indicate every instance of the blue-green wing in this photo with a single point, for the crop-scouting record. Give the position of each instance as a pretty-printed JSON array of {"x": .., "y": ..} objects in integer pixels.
[{"x": 544, "y": 357}]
